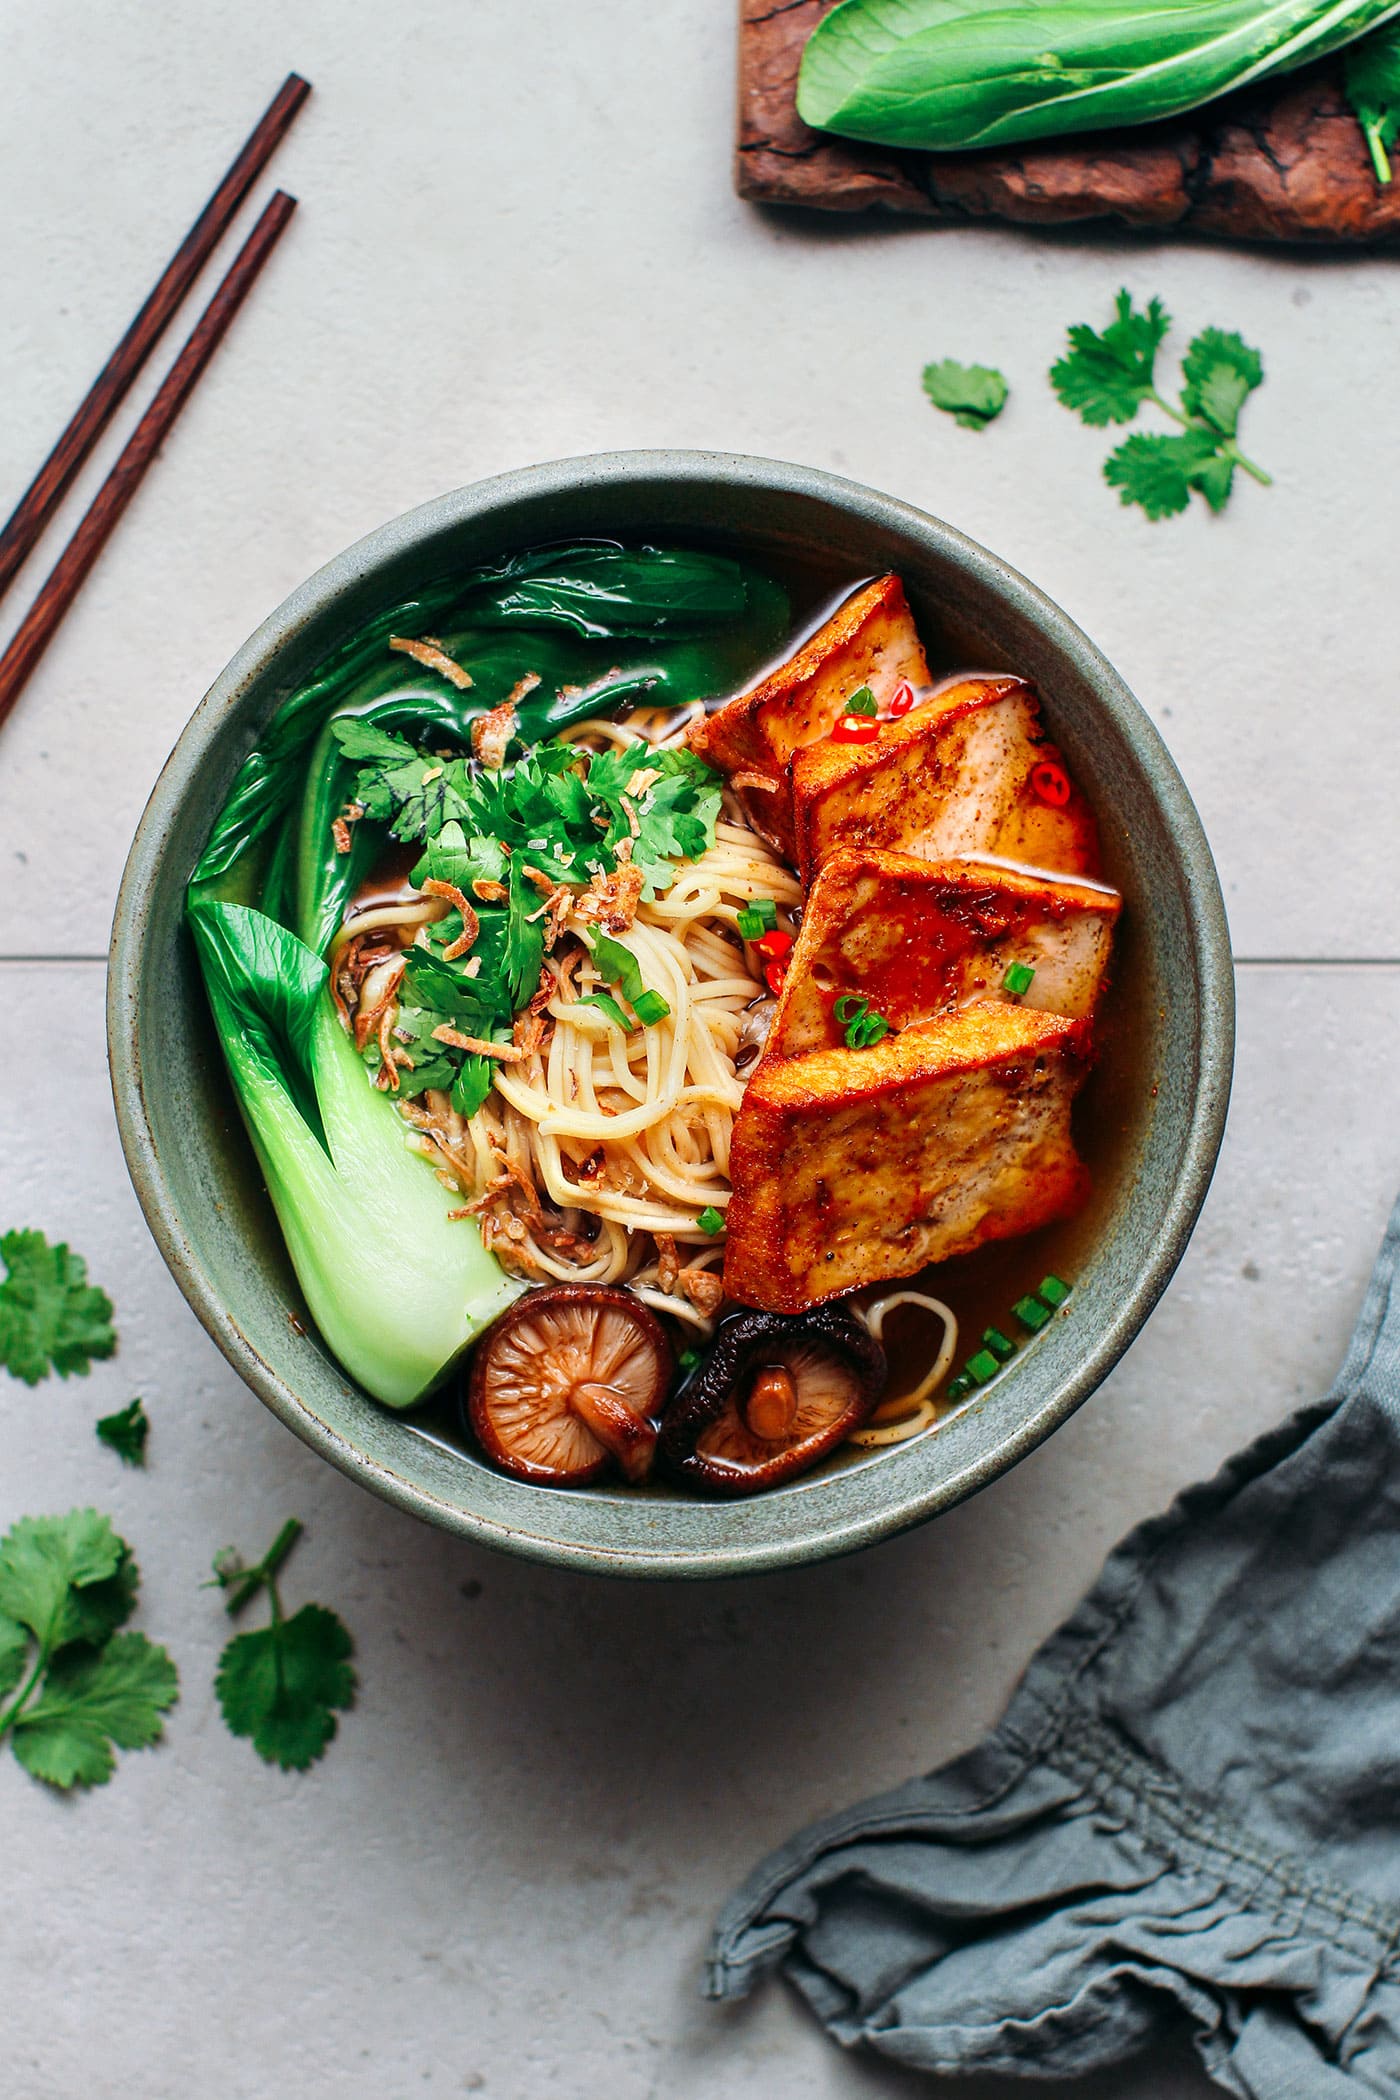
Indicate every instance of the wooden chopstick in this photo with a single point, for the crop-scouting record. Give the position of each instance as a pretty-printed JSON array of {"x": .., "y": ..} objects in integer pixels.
[
  {"x": 37, "y": 629},
  {"x": 39, "y": 501}
]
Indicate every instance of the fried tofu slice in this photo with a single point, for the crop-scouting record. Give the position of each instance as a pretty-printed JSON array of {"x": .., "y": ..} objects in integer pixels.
[
  {"x": 918, "y": 939},
  {"x": 853, "y": 1166},
  {"x": 870, "y": 640},
  {"x": 958, "y": 776}
]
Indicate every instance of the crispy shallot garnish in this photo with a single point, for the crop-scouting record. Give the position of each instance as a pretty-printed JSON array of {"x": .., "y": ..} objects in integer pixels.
[
  {"x": 471, "y": 924},
  {"x": 704, "y": 1288},
  {"x": 611, "y": 900},
  {"x": 506, "y": 1052},
  {"x": 668, "y": 1264},
  {"x": 433, "y": 657},
  {"x": 492, "y": 732},
  {"x": 340, "y": 832},
  {"x": 522, "y": 688},
  {"x": 488, "y": 892}
]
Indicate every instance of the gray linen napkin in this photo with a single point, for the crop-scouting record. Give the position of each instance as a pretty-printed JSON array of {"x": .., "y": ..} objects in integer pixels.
[{"x": 1191, "y": 1804}]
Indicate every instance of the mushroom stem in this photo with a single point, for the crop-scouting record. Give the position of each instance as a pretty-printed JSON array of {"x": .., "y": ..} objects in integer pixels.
[
  {"x": 771, "y": 1408},
  {"x": 630, "y": 1437}
]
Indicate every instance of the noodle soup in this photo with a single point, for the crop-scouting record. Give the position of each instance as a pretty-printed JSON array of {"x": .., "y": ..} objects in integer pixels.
[{"x": 648, "y": 984}]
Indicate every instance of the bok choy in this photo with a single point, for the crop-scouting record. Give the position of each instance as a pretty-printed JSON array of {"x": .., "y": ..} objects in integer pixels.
[
  {"x": 397, "y": 1288},
  {"x": 945, "y": 75}
]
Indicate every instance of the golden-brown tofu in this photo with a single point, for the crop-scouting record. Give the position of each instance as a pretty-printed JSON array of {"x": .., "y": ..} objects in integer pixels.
[
  {"x": 852, "y": 1166},
  {"x": 918, "y": 939},
  {"x": 963, "y": 774},
  {"x": 870, "y": 640}
]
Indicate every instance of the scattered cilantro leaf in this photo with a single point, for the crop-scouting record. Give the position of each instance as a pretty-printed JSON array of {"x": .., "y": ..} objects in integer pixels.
[
  {"x": 973, "y": 395},
  {"x": 51, "y": 1317},
  {"x": 125, "y": 1432},
  {"x": 14, "y": 1647},
  {"x": 1372, "y": 70},
  {"x": 1220, "y": 372},
  {"x": 283, "y": 1685},
  {"x": 1106, "y": 378},
  {"x": 1158, "y": 473},
  {"x": 94, "y": 1700},
  {"x": 66, "y": 1585}
]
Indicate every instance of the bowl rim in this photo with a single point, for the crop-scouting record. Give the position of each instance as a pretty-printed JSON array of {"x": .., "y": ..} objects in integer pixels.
[{"x": 1203, "y": 912}]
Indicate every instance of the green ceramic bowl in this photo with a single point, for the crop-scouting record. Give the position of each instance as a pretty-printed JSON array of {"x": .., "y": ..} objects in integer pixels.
[{"x": 1162, "y": 1089}]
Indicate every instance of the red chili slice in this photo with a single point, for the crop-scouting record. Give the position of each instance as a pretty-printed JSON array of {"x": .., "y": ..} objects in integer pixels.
[
  {"x": 775, "y": 977},
  {"x": 775, "y": 944},
  {"x": 1051, "y": 784},
  {"x": 903, "y": 700},
  {"x": 856, "y": 729}
]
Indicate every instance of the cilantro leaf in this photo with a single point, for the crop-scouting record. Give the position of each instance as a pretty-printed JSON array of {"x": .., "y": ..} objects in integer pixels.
[
  {"x": 282, "y": 1685},
  {"x": 125, "y": 1432},
  {"x": 1106, "y": 378},
  {"x": 66, "y": 1578},
  {"x": 1220, "y": 371},
  {"x": 51, "y": 1317},
  {"x": 1159, "y": 473},
  {"x": 14, "y": 1647},
  {"x": 973, "y": 395},
  {"x": 91, "y": 1702},
  {"x": 66, "y": 1585}
]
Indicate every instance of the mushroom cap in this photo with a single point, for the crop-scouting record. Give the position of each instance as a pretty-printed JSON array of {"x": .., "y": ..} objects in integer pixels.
[
  {"x": 711, "y": 1436},
  {"x": 568, "y": 1383}
]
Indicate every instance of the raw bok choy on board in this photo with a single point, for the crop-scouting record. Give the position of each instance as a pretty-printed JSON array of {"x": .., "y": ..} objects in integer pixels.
[
  {"x": 398, "y": 1287},
  {"x": 945, "y": 75}
]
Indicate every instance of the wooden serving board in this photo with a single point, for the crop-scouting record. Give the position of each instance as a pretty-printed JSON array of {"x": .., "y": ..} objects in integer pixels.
[{"x": 1284, "y": 162}]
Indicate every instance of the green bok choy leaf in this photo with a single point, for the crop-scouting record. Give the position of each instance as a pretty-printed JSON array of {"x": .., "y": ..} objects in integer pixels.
[
  {"x": 945, "y": 75},
  {"x": 1373, "y": 90},
  {"x": 397, "y": 1288}
]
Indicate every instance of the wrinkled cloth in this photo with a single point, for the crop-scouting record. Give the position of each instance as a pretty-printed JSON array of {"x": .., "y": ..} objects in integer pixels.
[{"x": 1191, "y": 1805}]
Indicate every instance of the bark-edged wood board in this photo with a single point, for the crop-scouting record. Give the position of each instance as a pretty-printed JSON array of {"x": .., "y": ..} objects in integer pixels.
[{"x": 1283, "y": 162}]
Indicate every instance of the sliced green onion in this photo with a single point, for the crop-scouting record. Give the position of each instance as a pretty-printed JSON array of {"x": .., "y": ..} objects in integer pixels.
[
  {"x": 1018, "y": 979},
  {"x": 711, "y": 1220},
  {"x": 982, "y": 1367},
  {"x": 751, "y": 926},
  {"x": 688, "y": 1359},
  {"x": 766, "y": 910},
  {"x": 1031, "y": 1314},
  {"x": 959, "y": 1387},
  {"x": 619, "y": 965},
  {"x": 1054, "y": 1292},
  {"x": 650, "y": 1007},
  {"x": 853, "y": 1006},
  {"x": 863, "y": 703},
  {"x": 1001, "y": 1345},
  {"x": 606, "y": 1004},
  {"x": 866, "y": 1030}
]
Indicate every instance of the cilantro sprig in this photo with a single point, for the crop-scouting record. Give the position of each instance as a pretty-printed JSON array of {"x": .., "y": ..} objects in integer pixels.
[
  {"x": 125, "y": 1432},
  {"x": 283, "y": 1685},
  {"x": 73, "y": 1689},
  {"x": 1107, "y": 376},
  {"x": 51, "y": 1318},
  {"x": 973, "y": 395}
]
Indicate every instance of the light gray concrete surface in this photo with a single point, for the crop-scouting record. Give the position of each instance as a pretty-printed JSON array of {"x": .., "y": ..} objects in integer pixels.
[{"x": 516, "y": 240}]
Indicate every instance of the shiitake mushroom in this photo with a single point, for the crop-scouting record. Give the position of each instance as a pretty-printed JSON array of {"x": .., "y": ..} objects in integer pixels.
[
  {"x": 777, "y": 1393},
  {"x": 568, "y": 1385}
]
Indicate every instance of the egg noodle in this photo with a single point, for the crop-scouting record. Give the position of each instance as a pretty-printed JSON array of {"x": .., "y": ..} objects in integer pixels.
[{"x": 596, "y": 1152}]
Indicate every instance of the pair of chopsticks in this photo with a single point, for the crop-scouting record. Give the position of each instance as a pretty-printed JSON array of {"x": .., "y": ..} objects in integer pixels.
[{"x": 34, "y": 509}]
